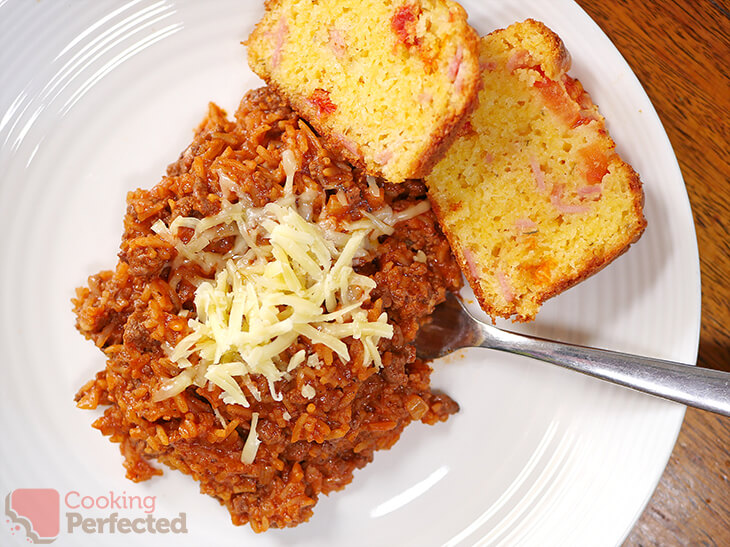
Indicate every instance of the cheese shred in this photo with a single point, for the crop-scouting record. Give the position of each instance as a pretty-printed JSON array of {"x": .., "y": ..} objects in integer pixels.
[
  {"x": 287, "y": 279},
  {"x": 251, "y": 446}
]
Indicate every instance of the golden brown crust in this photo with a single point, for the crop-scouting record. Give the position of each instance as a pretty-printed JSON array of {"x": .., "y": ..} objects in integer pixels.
[
  {"x": 555, "y": 57},
  {"x": 561, "y": 59}
]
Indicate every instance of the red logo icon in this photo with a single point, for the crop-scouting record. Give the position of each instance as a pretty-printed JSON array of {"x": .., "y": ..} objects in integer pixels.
[{"x": 37, "y": 510}]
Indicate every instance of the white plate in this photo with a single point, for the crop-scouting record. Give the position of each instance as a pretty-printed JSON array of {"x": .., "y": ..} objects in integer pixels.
[{"x": 96, "y": 99}]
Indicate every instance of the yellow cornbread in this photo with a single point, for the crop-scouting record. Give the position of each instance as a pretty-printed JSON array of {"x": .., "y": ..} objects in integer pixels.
[
  {"x": 532, "y": 196},
  {"x": 386, "y": 83}
]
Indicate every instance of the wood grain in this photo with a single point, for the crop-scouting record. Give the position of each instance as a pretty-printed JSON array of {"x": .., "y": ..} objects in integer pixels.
[{"x": 680, "y": 51}]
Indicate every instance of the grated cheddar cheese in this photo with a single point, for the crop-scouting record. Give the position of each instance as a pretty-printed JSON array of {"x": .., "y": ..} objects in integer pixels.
[{"x": 285, "y": 277}]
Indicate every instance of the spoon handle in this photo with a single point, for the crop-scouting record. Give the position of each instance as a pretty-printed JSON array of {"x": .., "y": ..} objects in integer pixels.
[{"x": 698, "y": 387}]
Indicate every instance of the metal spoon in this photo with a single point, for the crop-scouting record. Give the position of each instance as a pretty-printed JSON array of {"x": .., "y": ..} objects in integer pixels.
[{"x": 453, "y": 327}]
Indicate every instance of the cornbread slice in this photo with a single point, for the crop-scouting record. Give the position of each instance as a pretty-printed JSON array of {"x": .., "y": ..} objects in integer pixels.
[
  {"x": 532, "y": 196},
  {"x": 386, "y": 84}
]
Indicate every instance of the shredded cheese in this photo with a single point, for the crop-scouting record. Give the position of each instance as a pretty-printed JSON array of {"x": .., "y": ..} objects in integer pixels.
[
  {"x": 220, "y": 417},
  {"x": 287, "y": 277},
  {"x": 251, "y": 446},
  {"x": 257, "y": 307},
  {"x": 175, "y": 385},
  {"x": 372, "y": 185}
]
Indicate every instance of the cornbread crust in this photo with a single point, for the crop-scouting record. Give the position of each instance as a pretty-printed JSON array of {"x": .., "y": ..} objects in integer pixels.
[
  {"x": 533, "y": 197},
  {"x": 344, "y": 126}
]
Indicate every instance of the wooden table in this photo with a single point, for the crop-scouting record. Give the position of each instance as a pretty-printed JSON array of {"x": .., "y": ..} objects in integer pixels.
[{"x": 680, "y": 51}]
